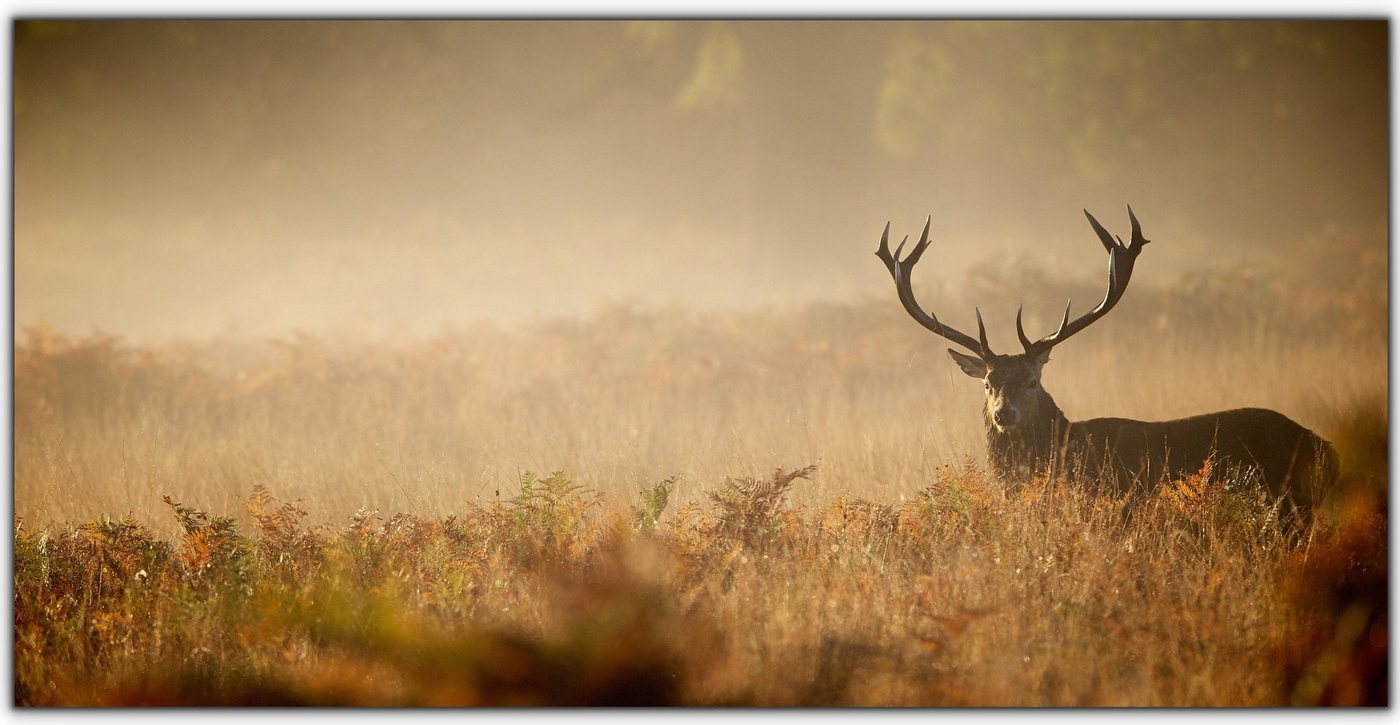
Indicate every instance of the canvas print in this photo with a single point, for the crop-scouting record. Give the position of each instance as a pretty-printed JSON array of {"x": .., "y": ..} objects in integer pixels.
[{"x": 701, "y": 362}]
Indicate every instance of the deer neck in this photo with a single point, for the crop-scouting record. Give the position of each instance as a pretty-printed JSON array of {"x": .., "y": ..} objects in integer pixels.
[{"x": 1029, "y": 448}]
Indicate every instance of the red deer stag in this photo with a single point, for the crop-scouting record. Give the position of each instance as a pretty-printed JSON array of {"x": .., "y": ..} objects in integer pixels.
[{"x": 1027, "y": 433}]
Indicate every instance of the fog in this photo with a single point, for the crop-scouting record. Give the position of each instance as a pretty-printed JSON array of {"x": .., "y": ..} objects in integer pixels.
[{"x": 209, "y": 178}]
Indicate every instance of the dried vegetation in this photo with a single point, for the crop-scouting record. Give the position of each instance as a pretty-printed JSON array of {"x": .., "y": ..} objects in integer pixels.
[{"x": 353, "y": 523}]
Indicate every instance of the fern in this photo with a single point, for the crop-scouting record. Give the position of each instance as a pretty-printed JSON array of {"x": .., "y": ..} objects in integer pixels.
[
  {"x": 654, "y": 501},
  {"x": 748, "y": 507}
]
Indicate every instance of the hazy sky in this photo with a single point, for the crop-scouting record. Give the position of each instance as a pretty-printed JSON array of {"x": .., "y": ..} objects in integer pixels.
[{"x": 197, "y": 178}]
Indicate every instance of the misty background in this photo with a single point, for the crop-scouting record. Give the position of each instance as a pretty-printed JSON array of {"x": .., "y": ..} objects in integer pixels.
[{"x": 207, "y": 178}]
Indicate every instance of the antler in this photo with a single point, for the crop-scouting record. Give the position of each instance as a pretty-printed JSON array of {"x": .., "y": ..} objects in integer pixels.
[
  {"x": 900, "y": 269},
  {"x": 1120, "y": 269}
]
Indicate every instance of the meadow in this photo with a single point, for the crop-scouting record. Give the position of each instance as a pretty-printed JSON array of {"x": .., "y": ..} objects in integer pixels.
[{"x": 664, "y": 506}]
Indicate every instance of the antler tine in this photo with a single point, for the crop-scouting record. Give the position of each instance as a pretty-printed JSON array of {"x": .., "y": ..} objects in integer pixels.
[
  {"x": 1138, "y": 240},
  {"x": 1064, "y": 322},
  {"x": 884, "y": 253},
  {"x": 1107, "y": 239},
  {"x": 1021, "y": 331},
  {"x": 900, "y": 269},
  {"x": 921, "y": 246},
  {"x": 1121, "y": 258},
  {"x": 984, "y": 350}
]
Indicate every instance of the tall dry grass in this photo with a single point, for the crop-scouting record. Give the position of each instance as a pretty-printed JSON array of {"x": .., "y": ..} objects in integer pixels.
[
  {"x": 629, "y": 396},
  {"x": 419, "y": 562},
  {"x": 967, "y": 594}
]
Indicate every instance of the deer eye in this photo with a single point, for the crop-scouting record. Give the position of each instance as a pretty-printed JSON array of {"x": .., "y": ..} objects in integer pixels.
[{"x": 1031, "y": 385}]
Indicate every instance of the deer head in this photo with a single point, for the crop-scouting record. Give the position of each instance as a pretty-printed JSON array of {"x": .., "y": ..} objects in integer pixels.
[{"x": 1011, "y": 383}]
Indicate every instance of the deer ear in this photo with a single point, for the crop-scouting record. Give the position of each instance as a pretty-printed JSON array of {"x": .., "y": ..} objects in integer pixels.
[
  {"x": 1041, "y": 359},
  {"x": 973, "y": 366}
]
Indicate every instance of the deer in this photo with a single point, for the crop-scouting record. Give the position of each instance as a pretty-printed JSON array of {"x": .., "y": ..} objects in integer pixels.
[{"x": 1028, "y": 434}]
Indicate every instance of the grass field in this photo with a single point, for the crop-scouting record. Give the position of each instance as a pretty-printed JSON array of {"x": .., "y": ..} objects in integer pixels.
[{"x": 338, "y": 520}]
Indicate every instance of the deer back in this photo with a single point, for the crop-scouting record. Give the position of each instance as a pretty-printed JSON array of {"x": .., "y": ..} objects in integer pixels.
[{"x": 1291, "y": 460}]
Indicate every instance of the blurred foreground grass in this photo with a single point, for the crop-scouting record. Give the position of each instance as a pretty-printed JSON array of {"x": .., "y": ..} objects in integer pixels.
[{"x": 967, "y": 594}]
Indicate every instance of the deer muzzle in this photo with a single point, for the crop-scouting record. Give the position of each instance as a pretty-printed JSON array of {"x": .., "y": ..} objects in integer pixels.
[{"x": 1006, "y": 417}]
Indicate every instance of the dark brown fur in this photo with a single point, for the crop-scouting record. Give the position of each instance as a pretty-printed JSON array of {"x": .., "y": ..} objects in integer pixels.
[{"x": 1291, "y": 460}]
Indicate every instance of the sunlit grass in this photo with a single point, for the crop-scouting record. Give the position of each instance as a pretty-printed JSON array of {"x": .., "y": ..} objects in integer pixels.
[
  {"x": 338, "y": 521},
  {"x": 621, "y": 400},
  {"x": 967, "y": 594}
]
